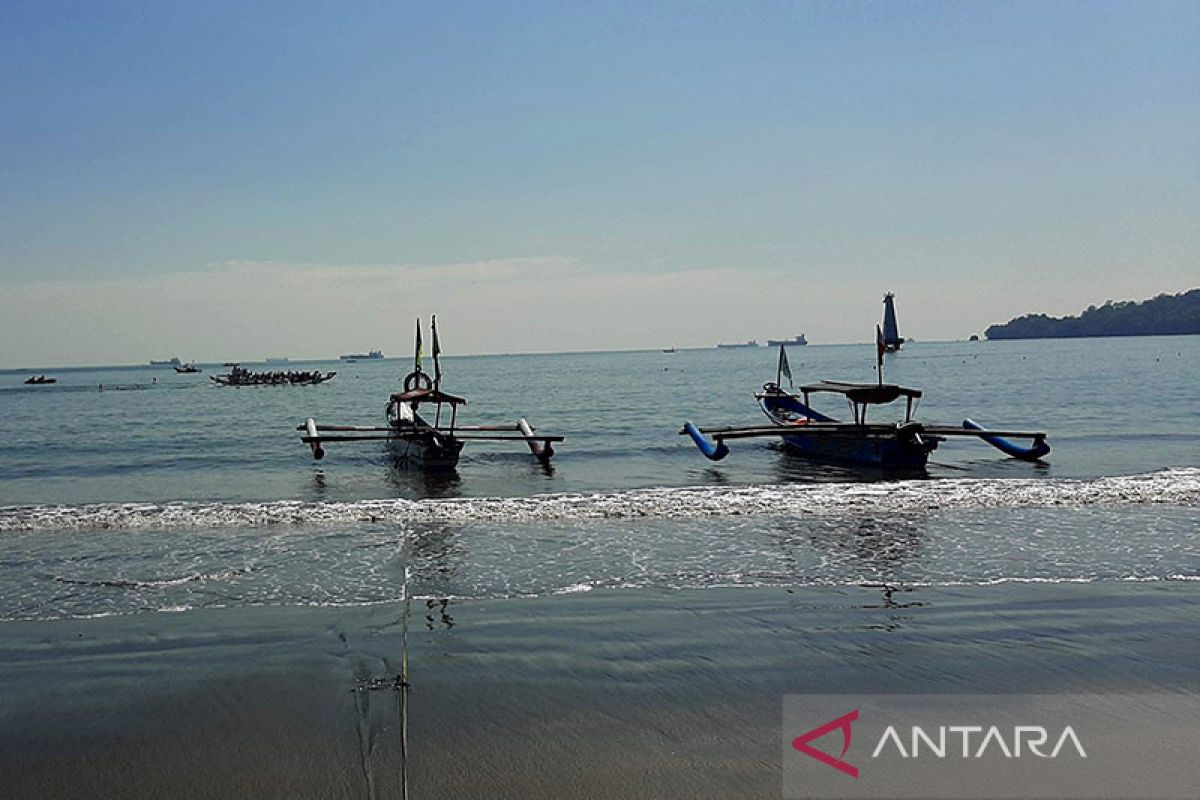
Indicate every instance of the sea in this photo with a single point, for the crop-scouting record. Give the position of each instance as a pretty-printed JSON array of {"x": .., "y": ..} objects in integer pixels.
[{"x": 182, "y": 584}]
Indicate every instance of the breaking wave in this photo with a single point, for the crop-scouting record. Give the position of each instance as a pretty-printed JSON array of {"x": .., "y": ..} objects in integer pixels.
[{"x": 1179, "y": 486}]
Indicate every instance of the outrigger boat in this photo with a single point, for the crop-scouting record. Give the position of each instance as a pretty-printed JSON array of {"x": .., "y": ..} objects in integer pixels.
[
  {"x": 411, "y": 438},
  {"x": 903, "y": 445},
  {"x": 40, "y": 380},
  {"x": 188, "y": 369}
]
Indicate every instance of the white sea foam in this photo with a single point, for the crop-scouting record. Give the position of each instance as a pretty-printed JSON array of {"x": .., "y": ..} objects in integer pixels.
[
  {"x": 575, "y": 588},
  {"x": 1180, "y": 486}
]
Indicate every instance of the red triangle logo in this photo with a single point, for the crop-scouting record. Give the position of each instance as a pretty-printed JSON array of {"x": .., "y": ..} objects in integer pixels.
[{"x": 842, "y": 723}]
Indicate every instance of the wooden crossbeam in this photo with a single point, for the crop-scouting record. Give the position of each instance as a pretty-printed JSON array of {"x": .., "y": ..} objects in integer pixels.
[
  {"x": 409, "y": 434},
  {"x": 946, "y": 430},
  {"x": 855, "y": 429}
]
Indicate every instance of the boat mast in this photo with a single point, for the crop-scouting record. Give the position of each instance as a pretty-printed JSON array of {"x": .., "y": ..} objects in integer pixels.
[
  {"x": 417, "y": 354},
  {"x": 437, "y": 375},
  {"x": 782, "y": 369},
  {"x": 437, "y": 351},
  {"x": 880, "y": 348}
]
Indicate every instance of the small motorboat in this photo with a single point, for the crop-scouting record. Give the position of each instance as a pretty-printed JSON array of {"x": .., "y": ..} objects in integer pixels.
[{"x": 39, "y": 380}]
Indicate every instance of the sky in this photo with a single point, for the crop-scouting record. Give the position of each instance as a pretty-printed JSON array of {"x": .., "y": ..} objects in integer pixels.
[{"x": 226, "y": 181}]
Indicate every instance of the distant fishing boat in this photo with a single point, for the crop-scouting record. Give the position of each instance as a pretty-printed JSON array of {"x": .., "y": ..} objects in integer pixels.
[
  {"x": 668, "y": 349},
  {"x": 413, "y": 440},
  {"x": 891, "y": 333},
  {"x": 751, "y": 343},
  {"x": 903, "y": 445},
  {"x": 170, "y": 362},
  {"x": 796, "y": 340},
  {"x": 187, "y": 369},
  {"x": 39, "y": 380},
  {"x": 362, "y": 356}
]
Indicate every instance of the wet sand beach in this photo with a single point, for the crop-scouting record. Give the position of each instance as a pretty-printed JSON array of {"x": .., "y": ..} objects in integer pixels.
[{"x": 621, "y": 693}]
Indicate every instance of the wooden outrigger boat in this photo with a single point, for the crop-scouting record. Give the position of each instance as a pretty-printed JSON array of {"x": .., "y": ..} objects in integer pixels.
[
  {"x": 411, "y": 438},
  {"x": 903, "y": 445},
  {"x": 40, "y": 380}
]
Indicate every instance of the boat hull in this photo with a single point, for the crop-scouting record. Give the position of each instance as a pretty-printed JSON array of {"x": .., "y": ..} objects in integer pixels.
[
  {"x": 902, "y": 448},
  {"x": 425, "y": 450},
  {"x": 414, "y": 443},
  {"x": 884, "y": 452}
]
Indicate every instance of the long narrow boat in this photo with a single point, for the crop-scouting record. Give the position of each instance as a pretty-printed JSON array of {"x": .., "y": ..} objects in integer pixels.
[
  {"x": 902, "y": 445},
  {"x": 411, "y": 438},
  {"x": 244, "y": 377}
]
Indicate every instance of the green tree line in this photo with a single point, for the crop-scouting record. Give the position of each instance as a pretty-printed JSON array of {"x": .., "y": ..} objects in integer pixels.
[{"x": 1162, "y": 315}]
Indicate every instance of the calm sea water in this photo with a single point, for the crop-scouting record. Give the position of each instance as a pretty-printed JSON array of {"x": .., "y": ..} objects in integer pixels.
[{"x": 165, "y": 492}]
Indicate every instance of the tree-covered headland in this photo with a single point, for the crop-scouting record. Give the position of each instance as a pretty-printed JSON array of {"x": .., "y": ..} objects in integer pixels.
[{"x": 1164, "y": 315}]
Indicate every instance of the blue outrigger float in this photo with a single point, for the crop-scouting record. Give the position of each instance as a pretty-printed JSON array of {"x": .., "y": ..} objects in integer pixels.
[{"x": 903, "y": 445}]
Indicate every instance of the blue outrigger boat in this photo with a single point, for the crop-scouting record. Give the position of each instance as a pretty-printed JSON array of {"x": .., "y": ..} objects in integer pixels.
[{"x": 903, "y": 445}]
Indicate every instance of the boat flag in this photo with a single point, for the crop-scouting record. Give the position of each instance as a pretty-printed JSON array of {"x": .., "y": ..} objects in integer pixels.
[
  {"x": 784, "y": 368},
  {"x": 880, "y": 347},
  {"x": 417, "y": 357},
  {"x": 437, "y": 351}
]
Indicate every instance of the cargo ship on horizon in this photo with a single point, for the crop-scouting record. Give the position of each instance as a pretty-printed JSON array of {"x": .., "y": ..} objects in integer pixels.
[{"x": 361, "y": 356}]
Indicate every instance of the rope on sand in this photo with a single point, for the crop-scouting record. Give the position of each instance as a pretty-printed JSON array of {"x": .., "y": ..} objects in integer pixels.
[{"x": 402, "y": 687}]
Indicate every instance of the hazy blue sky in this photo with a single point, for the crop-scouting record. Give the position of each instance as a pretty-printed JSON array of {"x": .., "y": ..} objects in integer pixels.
[{"x": 220, "y": 180}]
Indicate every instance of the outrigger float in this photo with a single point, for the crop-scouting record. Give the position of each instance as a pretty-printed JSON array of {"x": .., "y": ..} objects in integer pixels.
[
  {"x": 414, "y": 441},
  {"x": 904, "y": 445}
]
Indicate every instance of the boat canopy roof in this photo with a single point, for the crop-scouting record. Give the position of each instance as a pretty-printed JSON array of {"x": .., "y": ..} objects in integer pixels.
[
  {"x": 863, "y": 392},
  {"x": 428, "y": 396}
]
